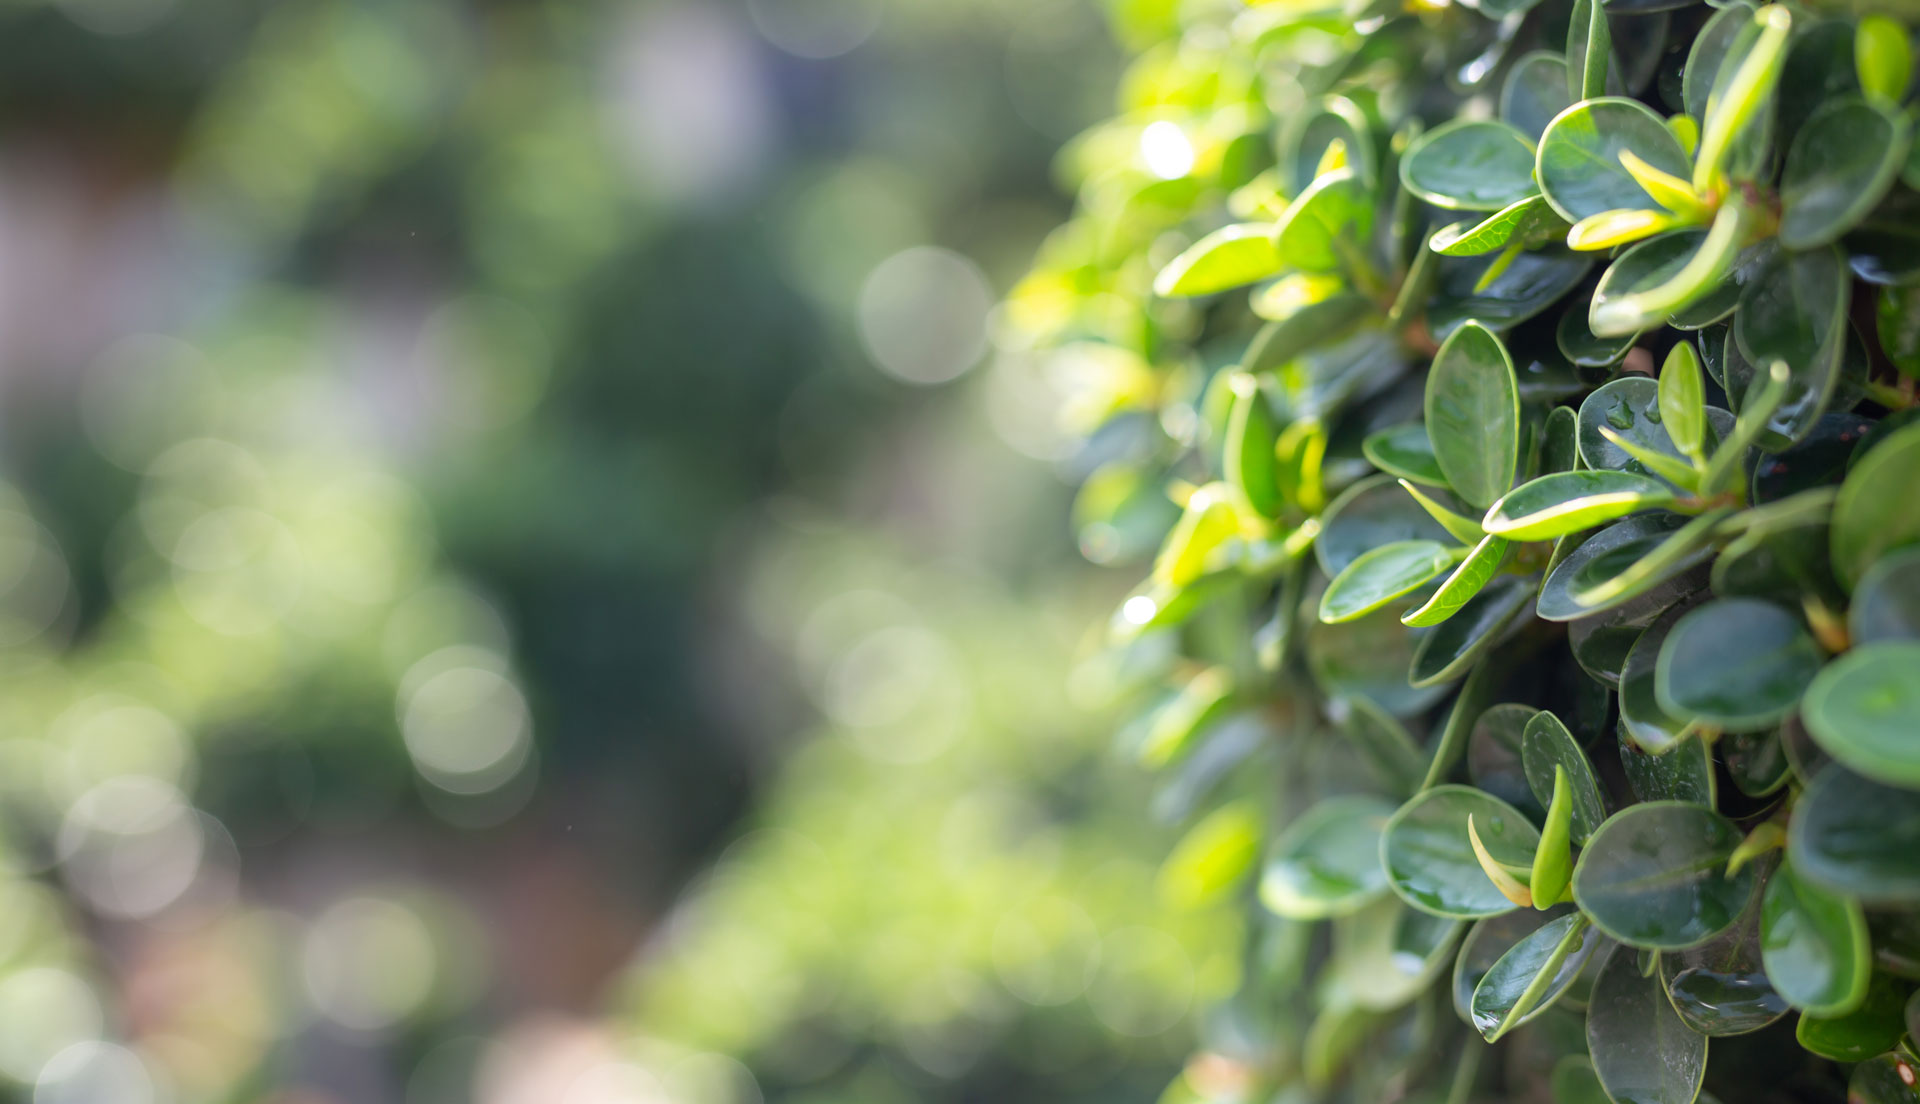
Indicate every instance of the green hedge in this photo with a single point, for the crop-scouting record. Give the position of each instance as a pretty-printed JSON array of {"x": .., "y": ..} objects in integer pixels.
[{"x": 1516, "y": 403}]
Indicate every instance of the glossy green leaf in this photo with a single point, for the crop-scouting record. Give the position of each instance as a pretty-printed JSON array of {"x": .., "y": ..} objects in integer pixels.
[
  {"x": 1553, "y": 860},
  {"x": 1589, "y": 46},
  {"x": 1739, "y": 664},
  {"x": 1869, "y": 1030},
  {"x": 1630, "y": 408},
  {"x": 1463, "y": 529},
  {"x": 1721, "y": 988},
  {"x": 1535, "y": 91},
  {"x": 1877, "y": 510},
  {"x": 1664, "y": 277},
  {"x": 1602, "y": 556},
  {"x": 1683, "y": 772},
  {"x": 1709, "y": 51},
  {"x": 1737, "y": 119},
  {"x": 1579, "y": 344},
  {"x": 1643, "y": 719},
  {"x": 1568, "y": 502},
  {"x": 1527, "y": 284},
  {"x": 1473, "y": 414},
  {"x": 1317, "y": 230},
  {"x": 1405, "y": 451},
  {"x": 1886, "y": 603},
  {"x": 1453, "y": 646},
  {"x": 1468, "y": 165},
  {"x": 1857, "y": 837},
  {"x": 1795, "y": 311},
  {"x": 1683, "y": 402},
  {"x": 1864, "y": 710},
  {"x": 1469, "y": 578},
  {"x": 1372, "y": 512},
  {"x": 1654, "y": 875},
  {"x": 1546, "y": 747},
  {"x": 1814, "y": 944},
  {"x": 1230, "y": 257},
  {"x": 1532, "y": 975},
  {"x": 1842, "y": 162},
  {"x": 1327, "y": 863},
  {"x": 1487, "y": 942},
  {"x": 1600, "y": 642},
  {"x": 1782, "y": 554},
  {"x": 1383, "y": 574},
  {"x": 1641, "y": 1050},
  {"x": 1530, "y": 221},
  {"x": 1428, "y": 858},
  {"x": 1625, "y": 572},
  {"x": 1579, "y": 166}
]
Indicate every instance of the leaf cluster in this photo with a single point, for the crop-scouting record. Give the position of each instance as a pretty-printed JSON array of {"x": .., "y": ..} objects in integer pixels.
[{"x": 1516, "y": 401}]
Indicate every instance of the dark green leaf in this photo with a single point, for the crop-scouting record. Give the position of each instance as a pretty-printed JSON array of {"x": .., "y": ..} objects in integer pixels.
[
  {"x": 1884, "y": 1079},
  {"x": 1457, "y": 643},
  {"x": 1739, "y": 664},
  {"x": 1384, "y": 743},
  {"x": 1368, "y": 658},
  {"x": 1641, "y": 1049},
  {"x": 1545, "y": 744},
  {"x": 1430, "y": 862},
  {"x": 1468, "y": 165},
  {"x": 1468, "y": 579},
  {"x": 1380, "y": 575},
  {"x": 1579, "y": 164},
  {"x": 1877, "y": 510},
  {"x": 1869, "y": 1030},
  {"x": 1535, "y": 91},
  {"x": 1864, "y": 710},
  {"x": 1589, "y": 46},
  {"x": 1618, "y": 545},
  {"x": 1886, "y": 603},
  {"x": 1684, "y": 772},
  {"x": 1532, "y": 975},
  {"x": 1530, "y": 284},
  {"x": 1795, "y": 311},
  {"x": 1329, "y": 320},
  {"x": 1372, "y": 512},
  {"x": 1579, "y": 344},
  {"x": 1843, "y": 160},
  {"x": 1405, "y": 451},
  {"x": 1720, "y": 987},
  {"x": 1857, "y": 837},
  {"x": 1473, "y": 414},
  {"x": 1488, "y": 941},
  {"x": 1654, "y": 875},
  {"x": 1756, "y": 761},
  {"x": 1814, "y": 944},
  {"x": 1568, "y": 502}
]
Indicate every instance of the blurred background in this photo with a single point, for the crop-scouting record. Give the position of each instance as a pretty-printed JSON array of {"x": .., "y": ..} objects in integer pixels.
[{"x": 522, "y": 582}]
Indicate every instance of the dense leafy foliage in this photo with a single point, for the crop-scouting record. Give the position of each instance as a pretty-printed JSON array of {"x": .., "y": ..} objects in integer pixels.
[{"x": 1535, "y": 382}]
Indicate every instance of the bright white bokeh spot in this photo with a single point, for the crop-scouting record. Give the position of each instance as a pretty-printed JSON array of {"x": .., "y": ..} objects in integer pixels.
[
  {"x": 466, "y": 727},
  {"x": 95, "y": 1073},
  {"x": 369, "y": 963},
  {"x": 1166, "y": 151},
  {"x": 1139, "y": 609},
  {"x": 815, "y": 29},
  {"x": 43, "y": 1011},
  {"x": 616, "y": 1083},
  {"x": 131, "y": 846},
  {"x": 923, "y": 314}
]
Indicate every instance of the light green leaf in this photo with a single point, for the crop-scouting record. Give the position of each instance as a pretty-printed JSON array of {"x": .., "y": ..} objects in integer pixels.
[
  {"x": 1230, "y": 257},
  {"x": 1567, "y": 502}
]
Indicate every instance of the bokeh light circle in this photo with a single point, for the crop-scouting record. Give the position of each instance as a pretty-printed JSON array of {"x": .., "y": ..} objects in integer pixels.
[{"x": 923, "y": 314}]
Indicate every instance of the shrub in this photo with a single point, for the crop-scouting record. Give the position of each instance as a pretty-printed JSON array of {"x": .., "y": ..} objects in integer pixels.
[{"x": 1590, "y": 692}]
